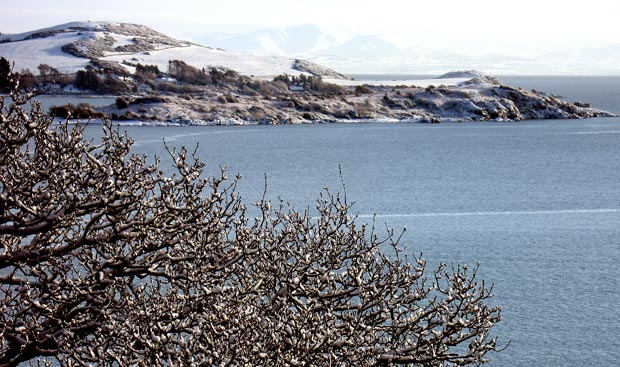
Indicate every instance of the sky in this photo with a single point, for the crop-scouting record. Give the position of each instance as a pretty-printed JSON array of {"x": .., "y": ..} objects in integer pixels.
[
  {"x": 475, "y": 26},
  {"x": 443, "y": 21}
]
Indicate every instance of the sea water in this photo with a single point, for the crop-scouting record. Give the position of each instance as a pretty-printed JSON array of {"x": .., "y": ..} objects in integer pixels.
[{"x": 537, "y": 203}]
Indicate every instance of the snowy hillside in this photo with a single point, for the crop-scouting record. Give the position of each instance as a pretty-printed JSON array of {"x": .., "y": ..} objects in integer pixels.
[
  {"x": 69, "y": 47},
  {"x": 28, "y": 52}
]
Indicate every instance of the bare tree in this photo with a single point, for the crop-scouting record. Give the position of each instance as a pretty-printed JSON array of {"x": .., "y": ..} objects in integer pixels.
[
  {"x": 48, "y": 74},
  {"x": 106, "y": 260}
]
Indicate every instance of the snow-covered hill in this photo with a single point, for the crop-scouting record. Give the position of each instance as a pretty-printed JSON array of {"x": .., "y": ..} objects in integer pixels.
[{"x": 69, "y": 47}]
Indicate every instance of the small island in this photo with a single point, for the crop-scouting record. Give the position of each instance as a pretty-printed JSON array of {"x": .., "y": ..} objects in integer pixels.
[{"x": 239, "y": 100}]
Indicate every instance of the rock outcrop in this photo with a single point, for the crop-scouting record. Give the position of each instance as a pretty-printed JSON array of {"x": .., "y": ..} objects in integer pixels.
[
  {"x": 316, "y": 69},
  {"x": 99, "y": 43}
]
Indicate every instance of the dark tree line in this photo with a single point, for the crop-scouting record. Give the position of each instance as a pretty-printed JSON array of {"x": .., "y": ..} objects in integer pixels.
[
  {"x": 5, "y": 75},
  {"x": 192, "y": 75},
  {"x": 310, "y": 83},
  {"x": 91, "y": 79}
]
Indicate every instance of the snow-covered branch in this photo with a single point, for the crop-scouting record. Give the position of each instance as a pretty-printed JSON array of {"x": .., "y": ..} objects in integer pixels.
[{"x": 107, "y": 261}]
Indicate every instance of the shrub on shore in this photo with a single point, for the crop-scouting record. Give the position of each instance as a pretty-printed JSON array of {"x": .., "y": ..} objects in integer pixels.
[{"x": 81, "y": 111}]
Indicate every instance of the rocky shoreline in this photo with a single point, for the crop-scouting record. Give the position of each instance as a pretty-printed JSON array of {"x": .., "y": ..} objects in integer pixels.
[{"x": 478, "y": 99}]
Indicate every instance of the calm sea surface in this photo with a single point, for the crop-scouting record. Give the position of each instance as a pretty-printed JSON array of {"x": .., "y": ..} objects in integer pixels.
[{"x": 536, "y": 202}]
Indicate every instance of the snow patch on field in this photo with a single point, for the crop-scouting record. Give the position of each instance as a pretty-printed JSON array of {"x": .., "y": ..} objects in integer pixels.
[
  {"x": 30, "y": 53},
  {"x": 200, "y": 57},
  {"x": 73, "y": 28},
  {"x": 423, "y": 83},
  {"x": 122, "y": 40}
]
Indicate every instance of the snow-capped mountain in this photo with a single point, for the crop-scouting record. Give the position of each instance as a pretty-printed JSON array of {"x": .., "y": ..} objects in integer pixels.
[
  {"x": 365, "y": 47},
  {"x": 356, "y": 53},
  {"x": 295, "y": 41},
  {"x": 70, "y": 47},
  {"x": 307, "y": 41}
]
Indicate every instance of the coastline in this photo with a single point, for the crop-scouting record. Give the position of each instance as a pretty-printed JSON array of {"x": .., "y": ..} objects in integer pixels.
[{"x": 473, "y": 100}]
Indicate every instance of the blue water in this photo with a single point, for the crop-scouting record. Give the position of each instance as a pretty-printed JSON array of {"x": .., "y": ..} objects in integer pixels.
[{"x": 536, "y": 202}]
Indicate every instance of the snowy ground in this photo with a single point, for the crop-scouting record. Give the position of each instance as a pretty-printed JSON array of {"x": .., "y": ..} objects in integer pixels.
[
  {"x": 28, "y": 50},
  {"x": 423, "y": 83},
  {"x": 200, "y": 57},
  {"x": 29, "y": 54}
]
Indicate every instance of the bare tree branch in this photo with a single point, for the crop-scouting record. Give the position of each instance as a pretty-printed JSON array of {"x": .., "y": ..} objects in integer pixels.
[{"x": 105, "y": 260}]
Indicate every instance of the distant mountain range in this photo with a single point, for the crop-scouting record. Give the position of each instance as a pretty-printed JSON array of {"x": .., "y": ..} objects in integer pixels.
[
  {"x": 297, "y": 41},
  {"x": 306, "y": 40},
  {"x": 355, "y": 53}
]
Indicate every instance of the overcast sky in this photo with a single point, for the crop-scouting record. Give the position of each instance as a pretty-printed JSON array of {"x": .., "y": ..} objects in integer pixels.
[{"x": 486, "y": 25}]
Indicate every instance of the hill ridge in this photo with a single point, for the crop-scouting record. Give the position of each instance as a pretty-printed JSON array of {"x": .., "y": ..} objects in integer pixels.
[{"x": 71, "y": 46}]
